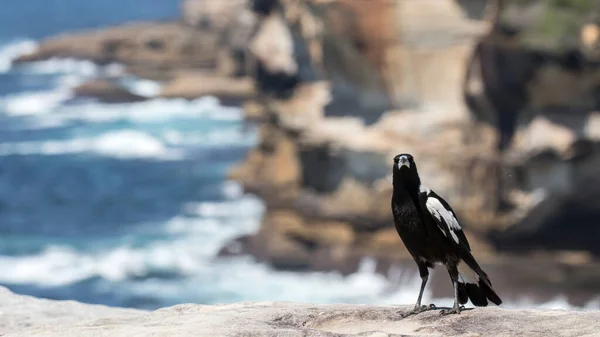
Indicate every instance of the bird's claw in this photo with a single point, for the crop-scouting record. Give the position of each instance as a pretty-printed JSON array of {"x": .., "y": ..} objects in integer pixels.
[
  {"x": 454, "y": 310},
  {"x": 418, "y": 310}
]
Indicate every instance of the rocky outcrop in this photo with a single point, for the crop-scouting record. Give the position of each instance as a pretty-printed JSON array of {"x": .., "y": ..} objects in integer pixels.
[
  {"x": 316, "y": 170},
  {"x": 190, "y": 84},
  {"x": 204, "y": 54},
  {"x": 155, "y": 47},
  {"x": 501, "y": 125},
  {"x": 26, "y": 316},
  {"x": 106, "y": 91}
]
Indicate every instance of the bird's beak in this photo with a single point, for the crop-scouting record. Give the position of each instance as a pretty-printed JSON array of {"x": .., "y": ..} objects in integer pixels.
[{"x": 403, "y": 162}]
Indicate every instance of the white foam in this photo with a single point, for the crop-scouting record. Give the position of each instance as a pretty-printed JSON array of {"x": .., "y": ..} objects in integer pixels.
[
  {"x": 34, "y": 103},
  {"x": 232, "y": 190},
  {"x": 249, "y": 207},
  {"x": 118, "y": 144},
  {"x": 10, "y": 52},
  {"x": 151, "y": 111},
  {"x": 242, "y": 279},
  {"x": 57, "y": 266},
  {"x": 142, "y": 87},
  {"x": 217, "y": 137},
  {"x": 113, "y": 69},
  {"x": 63, "y": 66},
  {"x": 129, "y": 143},
  {"x": 191, "y": 253},
  {"x": 73, "y": 72}
]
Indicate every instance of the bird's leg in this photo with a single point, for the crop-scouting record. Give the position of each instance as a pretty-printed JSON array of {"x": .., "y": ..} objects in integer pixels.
[
  {"x": 418, "y": 307},
  {"x": 457, "y": 307}
]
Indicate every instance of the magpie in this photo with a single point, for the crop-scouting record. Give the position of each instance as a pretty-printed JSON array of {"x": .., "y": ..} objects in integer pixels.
[{"x": 432, "y": 234}]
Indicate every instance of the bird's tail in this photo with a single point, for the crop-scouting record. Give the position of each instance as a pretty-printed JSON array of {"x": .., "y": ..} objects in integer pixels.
[{"x": 474, "y": 284}]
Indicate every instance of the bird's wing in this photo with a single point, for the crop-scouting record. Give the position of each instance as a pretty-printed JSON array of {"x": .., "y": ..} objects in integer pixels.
[
  {"x": 447, "y": 222},
  {"x": 444, "y": 217}
]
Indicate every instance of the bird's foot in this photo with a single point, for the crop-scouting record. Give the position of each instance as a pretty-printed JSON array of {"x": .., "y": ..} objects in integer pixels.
[
  {"x": 418, "y": 310},
  {"x": 454, "y": 310}
]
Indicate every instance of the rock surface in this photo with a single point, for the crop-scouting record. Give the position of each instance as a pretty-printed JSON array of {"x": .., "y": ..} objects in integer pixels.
[
  {"x": 27, "y": 316},
  {"x": 20, "y": 312},
  {"x": 106, "y": 91},
  {"x": 190, "y": 84},
  {"x": 145, "y": 45}
]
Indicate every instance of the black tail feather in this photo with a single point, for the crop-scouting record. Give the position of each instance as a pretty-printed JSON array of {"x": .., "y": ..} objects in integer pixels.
[
  {"x": 489, "y": 293},
  {"x": 484, "y": 286},
  {"x": 476, "y": 294},
  {"x": 463, "y": 296}
]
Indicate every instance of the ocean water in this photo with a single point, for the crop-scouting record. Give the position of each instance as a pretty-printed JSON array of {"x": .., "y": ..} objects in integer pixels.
[{"x": 128, "y": 204}]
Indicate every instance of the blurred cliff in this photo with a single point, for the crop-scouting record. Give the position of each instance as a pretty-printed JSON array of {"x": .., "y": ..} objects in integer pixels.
[{"x": 496, "y": 100}]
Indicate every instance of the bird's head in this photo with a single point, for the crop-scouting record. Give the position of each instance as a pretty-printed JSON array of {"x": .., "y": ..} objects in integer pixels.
[
  {"x": 405, "y": 170},
  {"x": 403, "y": 161}
]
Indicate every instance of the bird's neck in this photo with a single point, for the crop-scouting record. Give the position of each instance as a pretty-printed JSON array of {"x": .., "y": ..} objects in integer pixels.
[{"x": 405, "y": 188}]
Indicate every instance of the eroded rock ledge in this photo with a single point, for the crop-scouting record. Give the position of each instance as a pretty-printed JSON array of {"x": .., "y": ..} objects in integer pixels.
[{"x": 28, "y": 316}]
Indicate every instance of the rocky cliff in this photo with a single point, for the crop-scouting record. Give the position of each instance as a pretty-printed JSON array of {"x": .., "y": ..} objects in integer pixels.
[
  {"x": 499, "y": 112},
  {"x": 27, "y": 316}
]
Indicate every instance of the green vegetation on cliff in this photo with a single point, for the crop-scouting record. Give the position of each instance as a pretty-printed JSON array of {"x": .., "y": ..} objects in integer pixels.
[{"x": 550, "y": 24}]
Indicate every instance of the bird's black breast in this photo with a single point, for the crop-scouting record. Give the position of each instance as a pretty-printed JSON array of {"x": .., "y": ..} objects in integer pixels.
[
  {"x": 417, "y": 231},
  {"x": 409, "y": 223}
]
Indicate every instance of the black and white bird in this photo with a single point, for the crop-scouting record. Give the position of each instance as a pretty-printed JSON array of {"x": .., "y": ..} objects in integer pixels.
[{"x": 432, "y": 234}]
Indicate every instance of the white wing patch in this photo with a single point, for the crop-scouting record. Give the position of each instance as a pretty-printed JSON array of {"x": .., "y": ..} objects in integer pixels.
[
  {"x": 424, "y": 189},
  {"x": 466, "y": 274},
  {"x": 440, "y": 212}
]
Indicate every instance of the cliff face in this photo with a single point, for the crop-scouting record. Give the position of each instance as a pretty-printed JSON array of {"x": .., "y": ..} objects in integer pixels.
[
  {"x": 203, "y": 54},
  {"x": 324, "y": 159},
  {"x": 503, "y": 126},
  {"x": 26, "y": 316}
]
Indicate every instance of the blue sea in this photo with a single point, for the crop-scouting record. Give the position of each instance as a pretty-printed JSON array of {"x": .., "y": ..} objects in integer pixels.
[{"x": 128, "y": 204}]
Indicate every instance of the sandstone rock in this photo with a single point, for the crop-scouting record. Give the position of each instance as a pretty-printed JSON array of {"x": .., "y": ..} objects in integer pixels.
[
  {"x": 192, "y": 85},
  {"x": 274, "y": 244},
  {"x": 57, "y": 318},
  {"x": 273, "y": 46},
  {"x": 287, "y": 242},
  {"x": 342, "y": 259},
  {"x": 590, "y": 35},
  {"x": 106, "y": 91},
  {"x": 254, "y": 111},
  {"x": 564, "y": 218},
  {"x": 273, "y": 165},
  {"x": 231, "y": 22},
  {"x": 324, "y": 234},
  {"x": 281, "y": 252},
  {"x": 146, "y": 45},
  {"x": 25, "y": 312},
  {"x": 215, "y": 15},
  {"x": 304, "y": 108}
]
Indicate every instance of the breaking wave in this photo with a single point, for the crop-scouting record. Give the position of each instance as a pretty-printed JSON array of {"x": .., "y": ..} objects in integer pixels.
[
  {"x": 34, "y": 103},
  {"x": 118, "y": 144},
  {"x": 141, "y": 87},
  {"x": 11, "y": 51}
]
